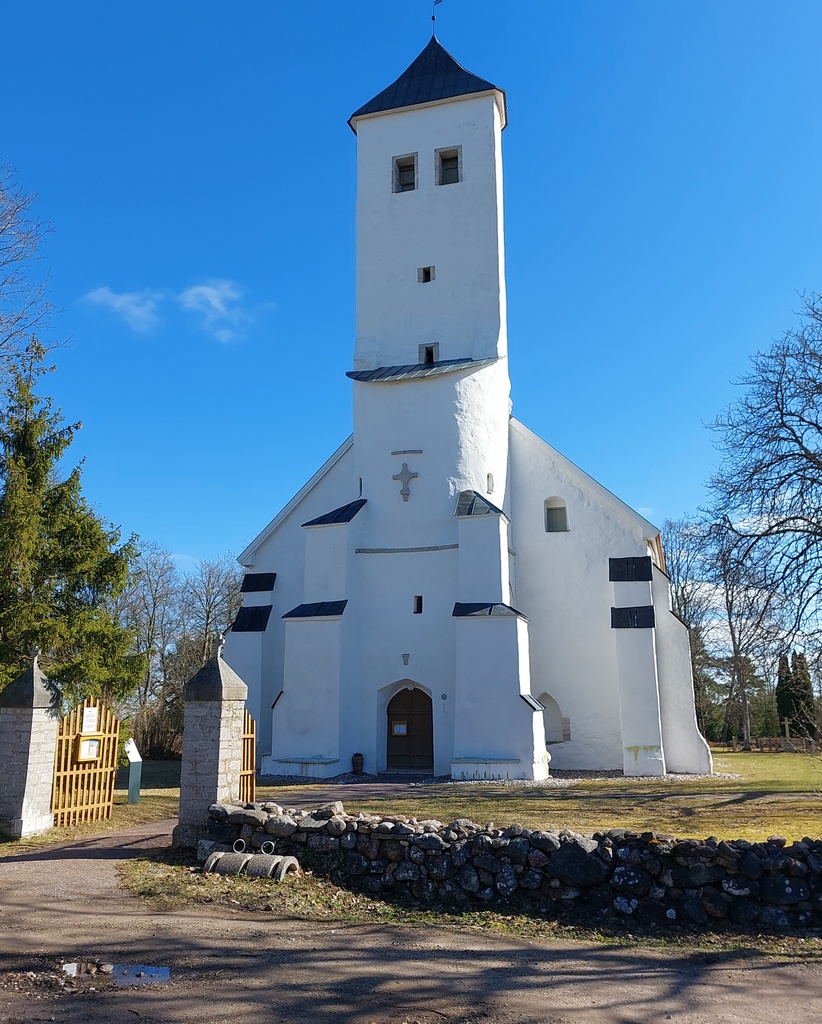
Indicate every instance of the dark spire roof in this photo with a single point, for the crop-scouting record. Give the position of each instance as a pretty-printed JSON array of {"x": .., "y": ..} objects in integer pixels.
[
  {"x": 216, "y": 681},
  {"x": 29, "y": 690},
  {"x": 434, "y": 75}
]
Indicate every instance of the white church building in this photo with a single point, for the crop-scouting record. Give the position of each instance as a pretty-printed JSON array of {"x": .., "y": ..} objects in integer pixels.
[{"x": 449, "y": 594}]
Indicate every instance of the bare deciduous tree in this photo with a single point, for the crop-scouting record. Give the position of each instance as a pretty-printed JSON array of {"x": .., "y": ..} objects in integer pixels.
[
  {"x": 693, "y": 598},
  {"x": 177, "y": 618},
  {"x": 150, "y": 607},
  {"x": 24, "y": 306},
  {"x": 752, "y": 628},
  {"x": 769, "y": 486},
  {"x": 212, "y": 597}
]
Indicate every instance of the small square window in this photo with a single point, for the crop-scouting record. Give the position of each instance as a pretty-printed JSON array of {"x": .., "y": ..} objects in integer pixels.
[
  {"x": 448, "y": 168},
  {"x": 425, "y": 275},
  {"x": 405, "y": 173},
  {"x": 429, "y": 354}
]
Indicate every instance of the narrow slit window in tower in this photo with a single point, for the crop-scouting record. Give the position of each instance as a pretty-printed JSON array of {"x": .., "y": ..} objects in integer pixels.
[
  {"x": 429, "y": 354},
  {"x": 418, "y": 604},
  {"x": 405, "y": 173},
  {"x": 448, "y": 166}
]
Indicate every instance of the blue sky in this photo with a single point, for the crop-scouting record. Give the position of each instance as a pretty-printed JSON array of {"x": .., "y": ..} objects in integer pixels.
[{"x": 663, "y": 165}]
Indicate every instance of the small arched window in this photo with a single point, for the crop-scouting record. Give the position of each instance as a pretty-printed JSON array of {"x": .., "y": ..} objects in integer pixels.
[{"x": 556, "y": 516}]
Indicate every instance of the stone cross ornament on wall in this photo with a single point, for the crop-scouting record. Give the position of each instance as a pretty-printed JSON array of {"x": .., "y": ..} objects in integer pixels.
[{"x": 405, "y": 476}]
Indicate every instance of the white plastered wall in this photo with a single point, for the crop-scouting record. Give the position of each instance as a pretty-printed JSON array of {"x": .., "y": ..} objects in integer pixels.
[
  {"x": 455, "y": 228},
  {"x": 379, "y": 627},
  {"x": 326, "y": 558},
  {"x": 642, "y": 750},
  {"x": 563, "y": 587},
  {"x": 307, "y": 728},
  {"x": 258, "y": 657},
  {"x": 685, "y": 747},
  {"x": 458, "y": 422},
  {"x": 483, "y": 561},
  {"x": 496, "y": 735}
]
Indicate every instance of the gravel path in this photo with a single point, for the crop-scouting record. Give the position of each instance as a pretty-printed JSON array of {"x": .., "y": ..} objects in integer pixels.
[{"x": 63, "y": 903}]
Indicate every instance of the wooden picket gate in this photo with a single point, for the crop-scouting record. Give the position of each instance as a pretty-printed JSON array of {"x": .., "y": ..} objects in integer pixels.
[
  {"x": 85, "y": 764},
  {"x": 248, "y": 768}
]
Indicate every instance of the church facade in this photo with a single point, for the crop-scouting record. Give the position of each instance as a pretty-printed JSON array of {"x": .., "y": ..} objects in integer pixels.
[{"x": 448, "y": 593}]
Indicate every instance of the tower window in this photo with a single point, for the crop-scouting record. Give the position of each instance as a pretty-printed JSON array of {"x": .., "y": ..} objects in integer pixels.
[
  {"x": 425, "y": 275},
  {"x": 429, "y": 354},
  {"x": 418, "y": 604},
  {"x": 448, "y": 167},
  {"x": 556, "y": 516},
  {"x": 405, "y": 173}
]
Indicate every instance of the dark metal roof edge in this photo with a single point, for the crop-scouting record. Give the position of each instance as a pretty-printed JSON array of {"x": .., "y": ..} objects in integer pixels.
[
  {"x": 510, "y": 611},
  {"x": 430, "y": 103},
  {"x": 263, "y": 611},
  {"x": 476, "y": 495},
  {"x": 320, "y": 613},
  {"x": 251, "y": 577},
  {"x": 345, "y": 512},
  {"x": 416, "y": 371}
]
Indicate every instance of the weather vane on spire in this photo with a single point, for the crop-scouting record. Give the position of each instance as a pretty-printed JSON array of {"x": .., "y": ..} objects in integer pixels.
[{"x": 434, "y": 13}]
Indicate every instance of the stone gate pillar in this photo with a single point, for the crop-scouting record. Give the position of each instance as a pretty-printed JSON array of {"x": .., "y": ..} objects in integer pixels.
[
  {"x": 212, "y": 746},
  {"x": 28, "y": 736}
]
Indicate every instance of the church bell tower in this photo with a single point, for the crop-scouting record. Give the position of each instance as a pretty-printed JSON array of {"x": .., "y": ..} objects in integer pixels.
[
  {"x": 430, "y": 366},
  {"x": 432, "y": 405}
]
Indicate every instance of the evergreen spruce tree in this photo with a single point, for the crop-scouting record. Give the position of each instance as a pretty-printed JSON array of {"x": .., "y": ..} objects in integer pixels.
[
  {"x": 784, "y": 692},
  {"x": 803, "y": 720},
  {"x": 60, "y": 564}
]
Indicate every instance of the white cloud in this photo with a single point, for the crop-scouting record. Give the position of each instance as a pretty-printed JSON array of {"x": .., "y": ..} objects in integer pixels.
[
  {"x": 138, "y": 309},
  {"x": 216, "y": 302}
]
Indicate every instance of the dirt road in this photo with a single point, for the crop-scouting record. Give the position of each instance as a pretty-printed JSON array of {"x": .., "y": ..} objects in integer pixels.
[{"x": 64, "y": 903}]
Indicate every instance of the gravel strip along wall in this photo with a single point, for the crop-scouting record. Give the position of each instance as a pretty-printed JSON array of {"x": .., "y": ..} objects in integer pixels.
[{"x": 654, "y": 879}]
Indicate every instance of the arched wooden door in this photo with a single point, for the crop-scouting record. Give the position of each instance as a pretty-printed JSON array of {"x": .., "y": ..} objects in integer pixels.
[{"x": 410, "y": 731}]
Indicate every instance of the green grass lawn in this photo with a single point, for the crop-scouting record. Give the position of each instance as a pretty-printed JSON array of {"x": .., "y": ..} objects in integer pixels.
[
  {"x": 775, "y": 794},
  {"x": 159, "y": 798}
]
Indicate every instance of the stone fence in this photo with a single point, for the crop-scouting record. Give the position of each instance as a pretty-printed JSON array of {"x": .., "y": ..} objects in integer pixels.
[{"x": 654, "y": 879}]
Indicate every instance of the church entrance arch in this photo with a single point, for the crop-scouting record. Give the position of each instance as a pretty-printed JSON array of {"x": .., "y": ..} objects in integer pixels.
[{"x": 410, "y": 742}]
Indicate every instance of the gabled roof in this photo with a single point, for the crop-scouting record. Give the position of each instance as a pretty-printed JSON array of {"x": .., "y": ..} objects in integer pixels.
[
  {"x": 414, "y": 371},
  {"x": 245, "y": 557},
  {"x": 648, "y": 529},
  {"x": 433, "y": 76},
  {"x": 344, "y": 514}
]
